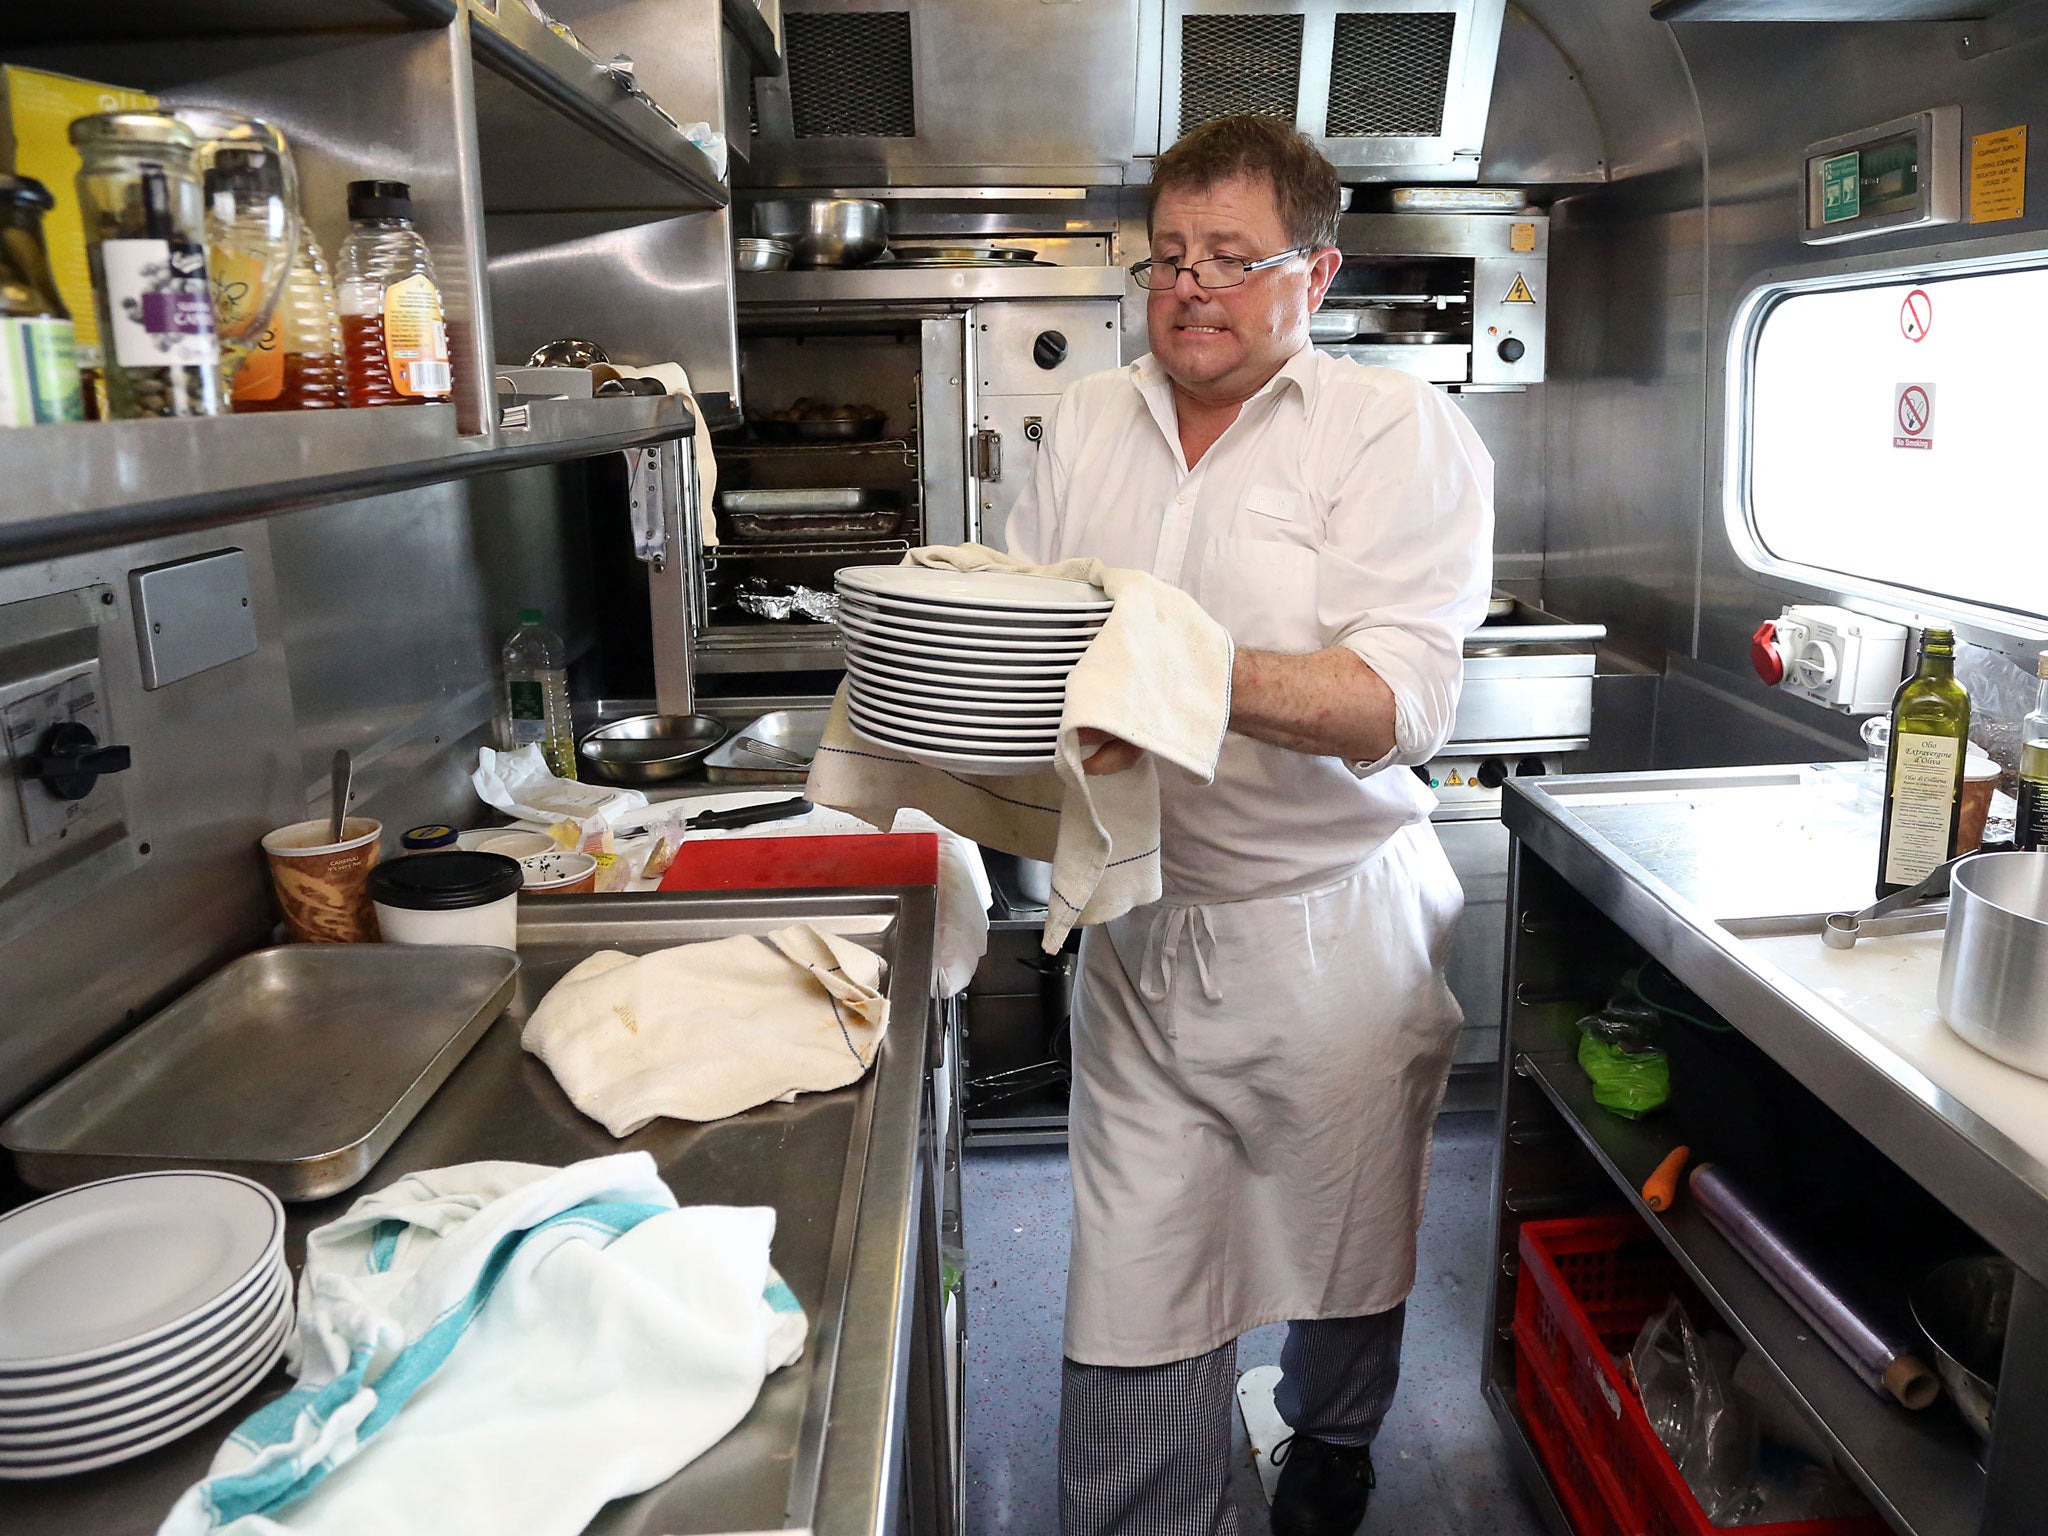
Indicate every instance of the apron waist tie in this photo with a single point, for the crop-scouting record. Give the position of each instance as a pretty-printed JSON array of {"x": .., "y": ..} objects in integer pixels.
[{"x": 1162, "y": 953}]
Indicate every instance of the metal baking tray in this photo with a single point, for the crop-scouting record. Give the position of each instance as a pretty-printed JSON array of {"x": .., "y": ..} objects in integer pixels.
[
  {"x": 827, "y": 498},
  {"x": 296, "y": 1067}
]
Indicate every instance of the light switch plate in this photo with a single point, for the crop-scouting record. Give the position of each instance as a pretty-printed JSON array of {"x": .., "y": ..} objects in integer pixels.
[{"x": 192, "y": 615}]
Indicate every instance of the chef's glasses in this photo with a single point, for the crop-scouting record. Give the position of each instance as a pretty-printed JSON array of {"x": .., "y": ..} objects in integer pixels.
[{"x": 1211, "y": 271}]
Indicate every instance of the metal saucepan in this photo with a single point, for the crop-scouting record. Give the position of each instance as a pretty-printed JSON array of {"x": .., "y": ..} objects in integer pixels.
[
  {"x": 648, "y": 749},
  {"x": 825, "y": 231},
  {"x": 1994, "y": 958},
  {"x": 754, "y": 255},
  {"x": 1963, "y": 1307}
]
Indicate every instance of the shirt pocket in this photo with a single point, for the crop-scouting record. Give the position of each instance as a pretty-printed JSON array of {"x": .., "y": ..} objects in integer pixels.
[
  {"x": 1268, "y": 513},
  {"x": 1264, "y": 592}
]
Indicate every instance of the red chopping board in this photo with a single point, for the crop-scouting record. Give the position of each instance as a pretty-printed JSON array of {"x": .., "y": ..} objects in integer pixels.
[{"x": 776, "y": 863}]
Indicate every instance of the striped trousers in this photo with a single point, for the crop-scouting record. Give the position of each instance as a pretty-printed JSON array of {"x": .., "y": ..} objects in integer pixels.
[{"x": 1145, "y": 1450}]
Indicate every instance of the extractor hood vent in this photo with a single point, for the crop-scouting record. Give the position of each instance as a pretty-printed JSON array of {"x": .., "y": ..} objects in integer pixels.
[
  {"x": 1391, "y": 90},
  {"x": 1238, "y": 63},
  {"x": 850, "y": 74},
  {"x": 1388, "y": 73}
]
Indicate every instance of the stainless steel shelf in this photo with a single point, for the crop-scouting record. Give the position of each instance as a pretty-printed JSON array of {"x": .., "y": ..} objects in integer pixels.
[
  {"x": 97, "y": 484},
  {"x": 628, "y": 156},
  {"x": 1920, "y": 1470}
]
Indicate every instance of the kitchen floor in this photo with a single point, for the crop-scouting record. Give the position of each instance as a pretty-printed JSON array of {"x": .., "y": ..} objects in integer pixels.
[{"x": 1442, "y": 1469}]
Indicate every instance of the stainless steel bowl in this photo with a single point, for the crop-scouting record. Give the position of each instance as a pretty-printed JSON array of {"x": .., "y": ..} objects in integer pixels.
[
  {"x": 1963, "y": 1307},
  {"x": 761, "y": 255},
  {"x": 825, "y": 231},
  {"x": 648, "y": 749}
]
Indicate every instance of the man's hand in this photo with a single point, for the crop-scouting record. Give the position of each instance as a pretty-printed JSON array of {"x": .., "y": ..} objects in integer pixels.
[{"x": 1112, "y": 754}]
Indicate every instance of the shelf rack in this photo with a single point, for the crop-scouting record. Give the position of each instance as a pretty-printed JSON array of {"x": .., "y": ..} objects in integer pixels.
[
  {"x": 1919, "y": 1470},
  {"x": 476, "y": 104}
]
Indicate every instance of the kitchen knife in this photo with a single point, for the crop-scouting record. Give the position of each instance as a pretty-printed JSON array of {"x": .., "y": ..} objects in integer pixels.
[{"x": 748, "y": 815}]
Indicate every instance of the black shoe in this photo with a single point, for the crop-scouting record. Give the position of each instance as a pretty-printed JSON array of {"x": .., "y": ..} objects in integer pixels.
[{"x": 1323, "y": 1487}]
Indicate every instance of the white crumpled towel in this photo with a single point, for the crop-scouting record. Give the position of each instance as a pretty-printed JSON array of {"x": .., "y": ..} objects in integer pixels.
[
  {"x": 1157, "y": 675},
  {"x": 706, "y": 1030},
  {"x": 504, "y": 1347}
]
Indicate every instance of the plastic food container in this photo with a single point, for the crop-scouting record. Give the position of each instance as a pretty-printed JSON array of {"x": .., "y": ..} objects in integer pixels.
[
  {"x": 433, "y": 838},
  {"x": 457, "y": 897},
  {"x": 563, "y": 872}
]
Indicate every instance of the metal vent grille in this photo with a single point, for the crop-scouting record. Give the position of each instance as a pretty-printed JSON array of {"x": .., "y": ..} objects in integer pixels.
[
  {"x": 849, "y": 74},
  {"x": 1238, "y": 63},
  {"x": 1388, "y": 73}
]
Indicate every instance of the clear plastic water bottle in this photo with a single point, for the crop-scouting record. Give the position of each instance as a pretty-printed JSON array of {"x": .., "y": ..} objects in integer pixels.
[{"x": 537, "y": 694}]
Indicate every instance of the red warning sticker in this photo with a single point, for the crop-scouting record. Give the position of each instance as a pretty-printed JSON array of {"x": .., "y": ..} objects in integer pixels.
[
  {"x": 1913, "y": 416},
  {"x": 1916, "y": 315}
]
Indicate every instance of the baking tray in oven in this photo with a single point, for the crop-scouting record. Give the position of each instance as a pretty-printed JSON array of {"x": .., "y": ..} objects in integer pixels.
[{"x": 807, "y": 516}]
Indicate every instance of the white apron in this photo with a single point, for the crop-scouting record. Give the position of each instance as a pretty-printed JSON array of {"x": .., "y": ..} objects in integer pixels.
[{"x": 1254, "y": 1087}]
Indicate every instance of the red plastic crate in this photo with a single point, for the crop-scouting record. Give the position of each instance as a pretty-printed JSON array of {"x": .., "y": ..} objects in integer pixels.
[{"x": 1585, "y": 1288}]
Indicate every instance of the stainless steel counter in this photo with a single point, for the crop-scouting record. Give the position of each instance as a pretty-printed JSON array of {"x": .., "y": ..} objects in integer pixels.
[
  {"x": 848, "y": 1174},
  {"x": 1691, "y": 868}
]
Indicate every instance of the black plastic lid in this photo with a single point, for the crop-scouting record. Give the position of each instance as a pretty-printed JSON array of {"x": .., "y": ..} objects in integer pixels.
[
  {"x": 448, "y": 882},
  {"x": 379, "y": 200},
  {"x": 26, "y": 192}
]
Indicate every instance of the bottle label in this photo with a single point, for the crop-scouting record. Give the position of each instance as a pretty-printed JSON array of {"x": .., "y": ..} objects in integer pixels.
[
  {"x": 2030, "y": 826},
  {"x": 416, "y": 339},
  {"x": 158, "y": 304},
  {"x": 261, "y": 376},
  {"x": 529, "y": 711},
  {"x": 1923, "y": 801},
  {"x": 38, "y": 373}
]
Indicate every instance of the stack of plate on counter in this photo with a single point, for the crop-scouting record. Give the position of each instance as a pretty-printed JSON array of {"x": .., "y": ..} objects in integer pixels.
[
  {"x": 965, "y": 670},
  {"x": 132, "y": 1311}
]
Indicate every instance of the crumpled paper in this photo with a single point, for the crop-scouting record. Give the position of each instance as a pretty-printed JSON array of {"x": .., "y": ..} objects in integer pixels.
[{"x": 520, "y": 784}]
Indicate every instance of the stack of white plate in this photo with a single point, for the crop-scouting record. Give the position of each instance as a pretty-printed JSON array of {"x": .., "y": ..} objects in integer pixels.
[
  {"x": 964, "y": 670},
  {"x": 132, "y": 1311}
]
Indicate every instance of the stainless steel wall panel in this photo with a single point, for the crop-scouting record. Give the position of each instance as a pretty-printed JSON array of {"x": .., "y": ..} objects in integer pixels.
[
  {"x": 1542, "y": 129},
  {"x": 1006, "y": 92},
  {"x": 1515, "y": 428},
  {"x": 650, "y": 293},
  {"x": 215, "y": 767}
]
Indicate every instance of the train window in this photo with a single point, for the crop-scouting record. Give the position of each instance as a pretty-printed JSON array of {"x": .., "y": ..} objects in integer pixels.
[{"x": 1887, "y": 435}]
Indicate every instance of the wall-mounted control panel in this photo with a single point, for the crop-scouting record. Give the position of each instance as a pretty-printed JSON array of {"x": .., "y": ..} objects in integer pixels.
[
  {"x": 65, "y": 823},
  {"x": 1843, "y": 661}
]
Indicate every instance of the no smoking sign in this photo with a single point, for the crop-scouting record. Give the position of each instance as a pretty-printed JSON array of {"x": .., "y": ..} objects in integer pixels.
[{"x": 1913, "y": 416}]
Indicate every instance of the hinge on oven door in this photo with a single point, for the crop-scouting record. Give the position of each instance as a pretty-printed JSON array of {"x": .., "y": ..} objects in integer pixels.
[
  {"x": 988, "y": 455},
  {"x": 644, "y": 506}
]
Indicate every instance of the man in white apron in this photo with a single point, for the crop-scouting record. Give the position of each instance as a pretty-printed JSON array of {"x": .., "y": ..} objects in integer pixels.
[{"x": 1259, "y": 1056}]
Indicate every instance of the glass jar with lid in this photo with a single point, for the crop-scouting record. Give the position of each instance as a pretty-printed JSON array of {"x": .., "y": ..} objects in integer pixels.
[
  {"x": 140, "y": 194},
  {"x": 38, "y": 349}
]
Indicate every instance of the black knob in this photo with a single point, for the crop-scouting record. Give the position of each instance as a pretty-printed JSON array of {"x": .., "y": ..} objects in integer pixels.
[
  {"x": 1050, "y": 350},
  {"x": 72, "y": 760},
  {"x": 1491, "y": 774},
  {"x": 1530, "y": 768},
  {"x": 1420, "y": 770},
  {"x": 1511, "y": 350}
]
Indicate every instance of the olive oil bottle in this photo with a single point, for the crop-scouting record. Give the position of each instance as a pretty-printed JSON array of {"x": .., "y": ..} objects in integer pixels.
[
  {"x": 1923, "y": 769},
  {"x": 2030, "y": 827}
]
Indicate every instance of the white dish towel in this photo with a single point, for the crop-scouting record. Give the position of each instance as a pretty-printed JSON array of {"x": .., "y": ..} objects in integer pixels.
[
  {"x": 555, "y": 1338},
  {"x": 702, "y": 1031},
  {"x": 1157, "y": 675}
]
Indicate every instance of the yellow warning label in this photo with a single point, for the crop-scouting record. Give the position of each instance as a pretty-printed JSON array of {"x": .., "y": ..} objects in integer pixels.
[
  {"x": 1998, "y": 175},
  {"x": 1519, "y": 294},
  {"x": 1522, "y": 237}
]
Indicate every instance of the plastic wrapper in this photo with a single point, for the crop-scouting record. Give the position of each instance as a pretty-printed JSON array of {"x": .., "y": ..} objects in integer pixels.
[
  {"x": 1630, "y": 1075},
  {"x": 521, "y": 785},
  {"x": 2001, "y": 695},
  {"x": 1742, "y": 1445}
]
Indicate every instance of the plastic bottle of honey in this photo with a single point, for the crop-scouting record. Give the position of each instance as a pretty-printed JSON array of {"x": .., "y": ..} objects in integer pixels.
[
  {"x": 394, "y": 333},
  {"x": 297, "y": 365}
]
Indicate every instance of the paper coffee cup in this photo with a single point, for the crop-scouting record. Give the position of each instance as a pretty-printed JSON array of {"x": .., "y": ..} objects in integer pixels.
[{"x": 323, "y": 885}]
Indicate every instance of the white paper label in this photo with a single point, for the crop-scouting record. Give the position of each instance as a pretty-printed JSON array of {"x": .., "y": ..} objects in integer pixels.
[
  {"x": 158, "y": 304},
  {"x": 1923, "y": 804}
]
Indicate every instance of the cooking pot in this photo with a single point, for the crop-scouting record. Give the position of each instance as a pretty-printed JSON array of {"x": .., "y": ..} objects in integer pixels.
[
  {"x": 825, "y": 231},
  {"x": 1994, "y": 958}
]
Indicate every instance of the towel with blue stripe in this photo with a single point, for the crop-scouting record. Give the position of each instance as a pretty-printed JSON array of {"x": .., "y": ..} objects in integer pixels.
[{"x": 504, "y": 1346}]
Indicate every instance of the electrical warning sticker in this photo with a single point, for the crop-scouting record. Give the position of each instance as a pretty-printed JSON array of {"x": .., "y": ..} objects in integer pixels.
[
  {"x": 1913, "y": 416},
  {"x": 1519, "y": 293}
]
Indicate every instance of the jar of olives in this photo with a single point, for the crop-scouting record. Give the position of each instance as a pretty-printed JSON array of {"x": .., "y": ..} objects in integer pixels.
[{"x": 144, "y": 208}]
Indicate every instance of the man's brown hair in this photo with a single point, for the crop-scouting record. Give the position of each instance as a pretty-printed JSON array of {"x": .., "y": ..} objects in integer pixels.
[{"x": 1262, "y": 148}]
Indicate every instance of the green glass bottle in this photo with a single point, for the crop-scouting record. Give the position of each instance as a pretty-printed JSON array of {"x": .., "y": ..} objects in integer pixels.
[
  {"x": 1923, "y": 769},
  {"x": 2030, "y": 827}
]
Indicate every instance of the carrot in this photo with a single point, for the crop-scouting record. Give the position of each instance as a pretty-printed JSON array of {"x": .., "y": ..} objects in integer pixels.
[{"x": 1661, "y": 1188}]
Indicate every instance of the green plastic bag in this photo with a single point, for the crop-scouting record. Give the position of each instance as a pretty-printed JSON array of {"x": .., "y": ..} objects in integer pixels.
[{"x": 1628, "y": 1083}]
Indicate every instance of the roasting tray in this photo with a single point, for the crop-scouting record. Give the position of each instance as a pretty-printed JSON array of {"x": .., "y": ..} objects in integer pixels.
[{"x": 296, "y": 1067}]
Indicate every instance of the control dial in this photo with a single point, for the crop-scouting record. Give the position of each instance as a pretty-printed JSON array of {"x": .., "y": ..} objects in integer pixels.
[
  {"x": 71, "y": 761},
  {"x": 1050, "y": 350},
  {"x": 1511, "y": 350},
  {"x": 1490, "y": 774}
]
